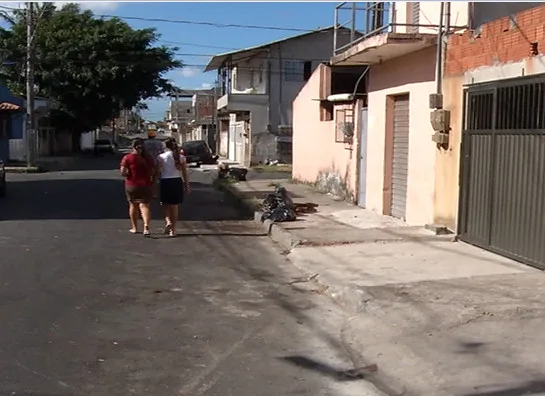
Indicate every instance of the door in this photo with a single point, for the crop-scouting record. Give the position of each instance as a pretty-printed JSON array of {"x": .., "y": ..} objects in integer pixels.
[
  {"x": 239, "y": 141},
  {"x": 502, "y": 194},
  {"x": 362, "y": 180},
  {"x": 400, "y": 157},
  {"x": 232, "y": 140}
]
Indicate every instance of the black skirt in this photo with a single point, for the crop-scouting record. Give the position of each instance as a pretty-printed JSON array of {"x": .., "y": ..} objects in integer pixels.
[{"x": 172, "y": 191}]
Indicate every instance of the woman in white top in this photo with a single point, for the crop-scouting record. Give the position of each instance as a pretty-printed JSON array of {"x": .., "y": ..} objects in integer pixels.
[{"x": 174, "y": 181}]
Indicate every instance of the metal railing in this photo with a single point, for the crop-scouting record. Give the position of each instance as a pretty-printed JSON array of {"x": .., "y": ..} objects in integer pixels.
[{"x": 377, "y": 18}]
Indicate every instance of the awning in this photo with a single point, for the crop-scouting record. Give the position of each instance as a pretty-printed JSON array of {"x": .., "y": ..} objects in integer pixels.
[{"x": 6, "y": 106}]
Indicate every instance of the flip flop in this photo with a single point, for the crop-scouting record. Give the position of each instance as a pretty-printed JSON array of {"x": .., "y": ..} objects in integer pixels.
[{"x": 133, "y": 231}]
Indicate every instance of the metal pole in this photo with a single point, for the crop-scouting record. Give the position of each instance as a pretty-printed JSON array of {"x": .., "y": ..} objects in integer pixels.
[
  {"x": 216, "y": 118},
  {"x": 335, "y": 23},
  {"x": 439, "y": 62},
  {"x": 353, "y": 29},
  {"x": 30, "y": 141}
]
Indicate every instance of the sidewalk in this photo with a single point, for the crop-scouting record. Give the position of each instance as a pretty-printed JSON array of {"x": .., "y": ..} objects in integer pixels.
[{"x": 438, "y": 317}]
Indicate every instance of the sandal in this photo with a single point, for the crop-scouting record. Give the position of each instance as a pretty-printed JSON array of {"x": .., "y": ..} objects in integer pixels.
[
  {"x": 146, "y": 232},
  {"x": 171, "y": 233},
  {"x": 167, "y": 229}
]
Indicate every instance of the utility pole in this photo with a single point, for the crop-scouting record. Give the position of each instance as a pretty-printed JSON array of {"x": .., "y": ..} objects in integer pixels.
[
  {"x": 31, "y": 146},
  {"x": 215, "y": 118}
]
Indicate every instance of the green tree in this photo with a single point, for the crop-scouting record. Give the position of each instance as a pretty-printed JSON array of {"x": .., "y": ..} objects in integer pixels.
[{"x": 91, "y": 67}]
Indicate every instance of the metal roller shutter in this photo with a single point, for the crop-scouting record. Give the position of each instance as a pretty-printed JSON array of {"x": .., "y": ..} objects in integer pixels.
[{"x": 400, "y": 166}]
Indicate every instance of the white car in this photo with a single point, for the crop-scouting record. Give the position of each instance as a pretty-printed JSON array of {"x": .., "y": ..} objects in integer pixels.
[{"x": 105, "y": 146}]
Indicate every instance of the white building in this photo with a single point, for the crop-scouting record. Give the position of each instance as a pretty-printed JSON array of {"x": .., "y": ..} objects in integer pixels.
[{"x": 258, "y": 86}]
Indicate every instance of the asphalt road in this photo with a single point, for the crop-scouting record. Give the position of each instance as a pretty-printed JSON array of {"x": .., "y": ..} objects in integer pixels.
[{"x": 89, "y": 309}]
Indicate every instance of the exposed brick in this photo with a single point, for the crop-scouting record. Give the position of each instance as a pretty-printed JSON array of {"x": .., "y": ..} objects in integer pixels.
[{"x": 498, "y": 42}]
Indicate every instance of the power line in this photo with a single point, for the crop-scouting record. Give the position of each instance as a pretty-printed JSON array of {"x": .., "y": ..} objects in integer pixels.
[
  {"x": 201, "y": 23},
  {"x": 195, "y": 45},
  {"x": 205, "y": 23}
]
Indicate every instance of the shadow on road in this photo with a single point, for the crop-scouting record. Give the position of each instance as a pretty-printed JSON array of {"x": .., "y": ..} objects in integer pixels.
[
  {"x": 85, "y": 162},
  {"x": 100, "y": 199}
]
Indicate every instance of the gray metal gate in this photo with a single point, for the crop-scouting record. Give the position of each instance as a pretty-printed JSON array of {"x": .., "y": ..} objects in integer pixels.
[
  {"x": 400, "y": 165},
  {"x": 362, "y": 180},
  {"x": 502, "y": 191}
]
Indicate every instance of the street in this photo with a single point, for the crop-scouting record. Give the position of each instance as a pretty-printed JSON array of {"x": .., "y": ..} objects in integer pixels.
[{"x": 89, "y": 309}]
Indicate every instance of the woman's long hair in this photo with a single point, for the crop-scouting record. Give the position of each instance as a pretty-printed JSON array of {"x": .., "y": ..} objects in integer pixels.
[
  {"x": 171, "y": 144},
  {"x": 138, "y": 142}
]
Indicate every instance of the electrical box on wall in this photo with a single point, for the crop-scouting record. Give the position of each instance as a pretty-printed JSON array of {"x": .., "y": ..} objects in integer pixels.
[
  {"x": 440, "y": 120},
  {"x": 440, "y": 138},
  {"x": 436, "y": 101}
]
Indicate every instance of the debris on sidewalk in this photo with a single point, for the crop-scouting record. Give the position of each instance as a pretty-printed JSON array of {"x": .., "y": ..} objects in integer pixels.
[
  {"x": 234, "y": 173},
  {"x": 278, "y": 206}
]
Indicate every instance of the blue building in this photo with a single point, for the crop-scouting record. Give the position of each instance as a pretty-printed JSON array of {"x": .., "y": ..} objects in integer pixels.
[{"x": 12, "y": 121}]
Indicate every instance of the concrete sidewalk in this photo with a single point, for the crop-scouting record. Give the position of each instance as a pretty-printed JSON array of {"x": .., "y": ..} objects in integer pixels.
[{"x": 438, "y": 317}]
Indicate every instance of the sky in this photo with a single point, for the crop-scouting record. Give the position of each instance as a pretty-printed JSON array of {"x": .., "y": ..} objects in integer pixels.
[{"x": 201, "y": 42}]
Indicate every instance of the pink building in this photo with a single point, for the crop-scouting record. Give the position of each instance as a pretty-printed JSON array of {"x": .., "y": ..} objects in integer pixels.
[
  {"x": 389, "y": 164},
  {"x": 325, "y": 141}
]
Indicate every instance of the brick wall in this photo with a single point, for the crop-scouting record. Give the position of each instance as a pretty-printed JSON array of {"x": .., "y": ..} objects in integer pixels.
[{"x": 497, "y": 42}]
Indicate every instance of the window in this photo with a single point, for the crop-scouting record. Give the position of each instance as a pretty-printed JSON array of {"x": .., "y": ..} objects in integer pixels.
[
  {"x": 293, "y": 70},
  {"x": 344, "y": 125},
  {"x": 5, "y": 126},
  {"x": 307, "y": 70},
  {"x": 326, "y": 110}
]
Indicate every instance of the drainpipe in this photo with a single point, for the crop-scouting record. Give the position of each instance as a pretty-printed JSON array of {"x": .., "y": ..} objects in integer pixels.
[
  {"x": 280, "y": 84},
  {"x": 447, "y": 32},
  {"x": 439, "y": 62},
  {"x": 447, "y": 18}
]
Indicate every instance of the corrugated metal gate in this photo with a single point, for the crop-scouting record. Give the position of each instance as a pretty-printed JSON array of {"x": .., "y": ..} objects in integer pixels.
[
  {"x": 400, "y": 165},
  {"x": 502, "y": 192}
]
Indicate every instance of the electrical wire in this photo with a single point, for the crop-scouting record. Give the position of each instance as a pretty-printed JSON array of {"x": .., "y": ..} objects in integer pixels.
[{"x": 201, "y": 23}]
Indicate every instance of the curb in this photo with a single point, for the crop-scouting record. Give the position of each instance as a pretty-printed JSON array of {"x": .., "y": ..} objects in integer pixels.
[
  {"x": 275, "y": 231},
  {"x": 24, "y": 169},
  {"x": 352, "y": 300}
]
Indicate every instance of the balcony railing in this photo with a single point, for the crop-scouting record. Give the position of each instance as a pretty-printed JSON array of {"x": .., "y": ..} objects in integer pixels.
[
  {"x": 366, "y": 19},
  {"x": 374, "y": 18}
]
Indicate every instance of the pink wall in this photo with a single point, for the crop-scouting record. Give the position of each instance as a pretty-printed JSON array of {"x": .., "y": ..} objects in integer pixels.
[
  {"x": 413, "y": 74},
  {"x": 316, "y": 155}
]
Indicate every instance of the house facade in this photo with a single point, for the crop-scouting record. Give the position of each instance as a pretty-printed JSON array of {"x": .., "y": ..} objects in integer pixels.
[
  {"x": 12, "y": 120},
  {"x": 488, "y": 183},
  {"x": 323, "y": 152},
  {"x": 258, "y": 86},
  {"x": 395, "y": 156}
]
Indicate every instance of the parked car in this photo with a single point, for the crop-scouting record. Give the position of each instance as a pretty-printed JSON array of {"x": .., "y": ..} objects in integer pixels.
[
  {"x": 105, "y": 146},
  {"x": 199, "y": 152},
  {"x": 2, "y": 179}
]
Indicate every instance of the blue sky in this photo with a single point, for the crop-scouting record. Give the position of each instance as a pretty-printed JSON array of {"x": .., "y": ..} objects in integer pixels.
[{"x": 195, "y": 39}]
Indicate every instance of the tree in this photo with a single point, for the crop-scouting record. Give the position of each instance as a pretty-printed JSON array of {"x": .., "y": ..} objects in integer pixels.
[{"x": 91, "y": 67}]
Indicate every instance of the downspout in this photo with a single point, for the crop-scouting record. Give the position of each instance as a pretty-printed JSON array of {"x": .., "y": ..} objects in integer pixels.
[
  {"x": 446, "y": 35},
  {"x": 439, "y": 61},
  {"x": 354, "y": 97},
  {"x": 281, "y": 77}
]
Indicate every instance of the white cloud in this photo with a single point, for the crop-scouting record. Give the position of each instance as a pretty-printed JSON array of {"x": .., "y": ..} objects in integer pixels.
[
  {"x": 95, "y": 6},
  {"x": 190, "y": 71},
  {"x": 206, "y": 86}
]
